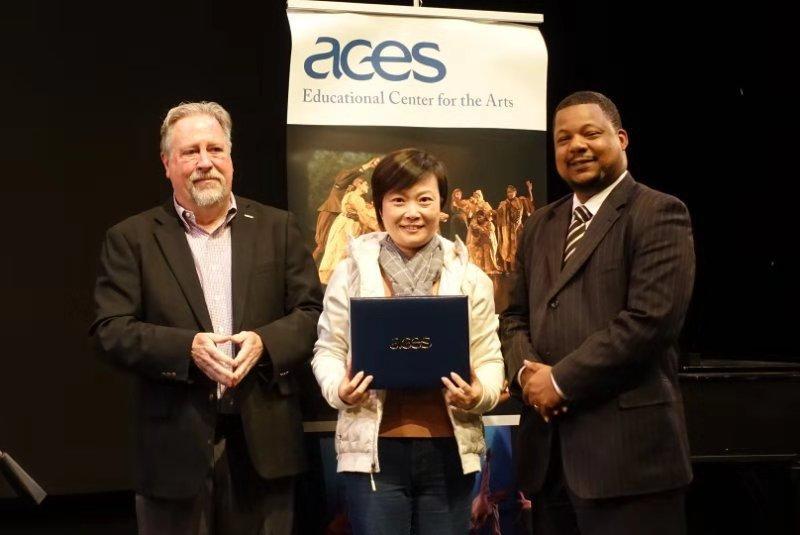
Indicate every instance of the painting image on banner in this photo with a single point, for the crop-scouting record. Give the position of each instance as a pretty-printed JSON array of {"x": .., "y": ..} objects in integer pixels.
[{"x": 495, "y": 179}]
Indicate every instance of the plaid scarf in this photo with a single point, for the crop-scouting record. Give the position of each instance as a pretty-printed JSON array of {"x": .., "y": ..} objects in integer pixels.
[{"x": 415, "y": 275}]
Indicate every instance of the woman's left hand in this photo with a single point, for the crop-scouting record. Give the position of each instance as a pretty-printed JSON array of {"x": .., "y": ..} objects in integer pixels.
[{"x": 461, "y": 394}]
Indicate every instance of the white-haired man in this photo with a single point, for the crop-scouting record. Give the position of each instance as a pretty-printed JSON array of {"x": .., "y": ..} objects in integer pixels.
[{"x": 211, "y": 300}]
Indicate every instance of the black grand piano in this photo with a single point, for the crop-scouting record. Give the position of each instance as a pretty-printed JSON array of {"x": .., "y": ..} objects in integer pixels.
[{"x": 743, "y": 419}]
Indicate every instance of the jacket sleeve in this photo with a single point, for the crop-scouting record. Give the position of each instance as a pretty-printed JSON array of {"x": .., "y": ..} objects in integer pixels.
[
  {"x": 154, "y": 351},
  {"x": 515, "y": 329},
  {"x": 289, "y": 339},
  {"x": 485, "y": 355},
  {"x": 660, "y": 284},
  {"x": 333, "y": 337}
]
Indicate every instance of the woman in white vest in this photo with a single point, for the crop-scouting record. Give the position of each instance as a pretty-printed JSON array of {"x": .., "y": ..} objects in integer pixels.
[{"x": 408, "y": 458}]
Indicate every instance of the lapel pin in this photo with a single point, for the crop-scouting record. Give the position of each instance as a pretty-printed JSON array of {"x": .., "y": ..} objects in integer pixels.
[{"x": 248, "y": 215}]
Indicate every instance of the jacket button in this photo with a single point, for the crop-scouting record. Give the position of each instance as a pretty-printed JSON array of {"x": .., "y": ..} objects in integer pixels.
[
  {"x": 554, "y": 304},
  {"x": 211, "y": 397}
]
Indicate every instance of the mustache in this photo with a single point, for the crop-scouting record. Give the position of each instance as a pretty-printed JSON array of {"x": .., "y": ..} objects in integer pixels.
[{"x": 206, "y": 176}]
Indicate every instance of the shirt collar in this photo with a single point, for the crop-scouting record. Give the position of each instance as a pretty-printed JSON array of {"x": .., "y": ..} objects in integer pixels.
[
  {"x": 187, "y": 216},
  {"x": 596, "y": 201}
]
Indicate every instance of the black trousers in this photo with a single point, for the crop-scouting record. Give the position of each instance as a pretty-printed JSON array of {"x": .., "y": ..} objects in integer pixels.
[
  {"x": 558, "y": 511},
  {"x": 234, "y": 499}
]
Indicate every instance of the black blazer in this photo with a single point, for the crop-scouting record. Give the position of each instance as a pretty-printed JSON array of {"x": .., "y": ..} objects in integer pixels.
[
  {"x": 608, "y": 323},
  {"x": 149, "y": 306}
]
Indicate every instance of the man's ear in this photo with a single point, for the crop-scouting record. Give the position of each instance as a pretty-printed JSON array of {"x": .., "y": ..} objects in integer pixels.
[
  {"x": 622, "y": 135},
  {"x": 165, "y": 161}
]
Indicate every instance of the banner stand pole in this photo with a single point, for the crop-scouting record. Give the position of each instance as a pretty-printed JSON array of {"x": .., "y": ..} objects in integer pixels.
[{"x": 415, "y": 10}]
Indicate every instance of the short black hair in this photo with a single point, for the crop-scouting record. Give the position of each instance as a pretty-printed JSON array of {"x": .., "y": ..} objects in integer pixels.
[
  {"x": 403, "y": 168},
  {"x": 592, "y": 97}
]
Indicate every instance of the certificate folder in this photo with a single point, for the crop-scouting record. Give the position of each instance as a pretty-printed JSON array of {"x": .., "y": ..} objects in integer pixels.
[{"x": 410, "y": 342}]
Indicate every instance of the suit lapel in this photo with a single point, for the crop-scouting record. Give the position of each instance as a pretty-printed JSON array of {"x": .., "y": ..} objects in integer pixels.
[
  {"x": 171, "y": 238},
  {"x": 599, "y": 227},
  {"x": 243, "y": 233}
]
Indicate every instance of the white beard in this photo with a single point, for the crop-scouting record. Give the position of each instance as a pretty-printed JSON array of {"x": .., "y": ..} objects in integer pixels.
[{"x": 209, "y": 195}]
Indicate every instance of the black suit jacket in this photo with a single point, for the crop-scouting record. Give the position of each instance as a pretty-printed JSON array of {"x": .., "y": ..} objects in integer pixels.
[
  {"x": 608, "y": 323},
  {"x": 150, "y": 305}
]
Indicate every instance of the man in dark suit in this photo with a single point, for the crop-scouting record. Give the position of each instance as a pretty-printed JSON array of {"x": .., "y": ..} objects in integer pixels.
[
  {"x": 590, "y": 339},
  {"x": 212, "y": 301}
]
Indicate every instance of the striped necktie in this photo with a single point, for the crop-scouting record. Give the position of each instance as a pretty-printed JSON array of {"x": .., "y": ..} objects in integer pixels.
[{"x": 580, "y": 216}]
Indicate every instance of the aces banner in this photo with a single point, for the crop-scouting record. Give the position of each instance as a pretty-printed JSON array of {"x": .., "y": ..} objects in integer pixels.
[{"x": 472, "y": 92}]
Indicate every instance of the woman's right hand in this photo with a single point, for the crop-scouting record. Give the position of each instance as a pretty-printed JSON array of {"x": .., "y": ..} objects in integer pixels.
[{"x": 354, "y": 391}]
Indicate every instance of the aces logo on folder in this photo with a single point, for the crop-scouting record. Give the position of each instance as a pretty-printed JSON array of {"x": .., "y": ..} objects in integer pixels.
[{"x": 410, "y": 342}]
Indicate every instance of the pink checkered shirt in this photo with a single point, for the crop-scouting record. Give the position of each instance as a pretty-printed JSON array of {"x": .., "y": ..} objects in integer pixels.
[{"x": 212, "y": 260}]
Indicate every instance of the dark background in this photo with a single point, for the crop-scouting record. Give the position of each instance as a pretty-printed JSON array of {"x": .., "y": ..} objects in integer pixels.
[{"x": 704, "y": 92}]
